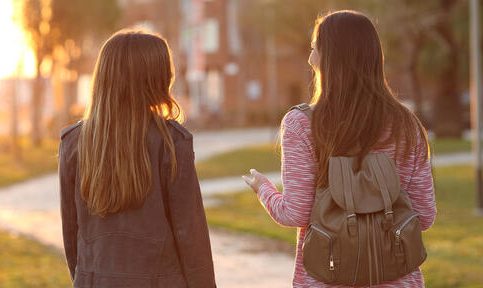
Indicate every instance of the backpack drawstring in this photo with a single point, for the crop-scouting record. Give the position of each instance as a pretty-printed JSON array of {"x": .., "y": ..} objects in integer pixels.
[
  {"x": 369, "y": 250},
  {"x": 375, "y": 247}
]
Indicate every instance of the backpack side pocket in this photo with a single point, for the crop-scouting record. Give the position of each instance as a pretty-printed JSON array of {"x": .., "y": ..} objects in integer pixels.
[{"x": 320, "y": 259}]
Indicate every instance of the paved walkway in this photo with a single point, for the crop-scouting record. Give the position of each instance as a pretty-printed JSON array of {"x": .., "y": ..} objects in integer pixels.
[
  {"x": 453, "y": 159},
  {"x": 32, "y": 208},
  {"x": 207, "y": 144}
]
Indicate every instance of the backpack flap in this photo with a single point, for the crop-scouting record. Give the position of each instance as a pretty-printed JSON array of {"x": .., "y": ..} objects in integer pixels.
[
  {"x": 371, "y": 189},
  {"x": 354, "y": 237}
]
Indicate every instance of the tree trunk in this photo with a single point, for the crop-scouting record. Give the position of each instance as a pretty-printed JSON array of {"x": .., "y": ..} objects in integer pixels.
[
  {"x": 37, "y": 107},
  {"x": 70, "y": 99},
  {"x": 15, "y": 146},
  {"x": 448, "y": 121},
  {"x": 414, "y": 51}
]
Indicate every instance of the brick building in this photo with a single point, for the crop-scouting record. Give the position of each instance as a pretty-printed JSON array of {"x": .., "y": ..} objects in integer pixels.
[{"x": 227, "y": 73}]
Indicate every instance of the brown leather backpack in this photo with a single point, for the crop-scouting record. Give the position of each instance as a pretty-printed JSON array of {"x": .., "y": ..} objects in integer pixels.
[{"x": 362, "y": 230}]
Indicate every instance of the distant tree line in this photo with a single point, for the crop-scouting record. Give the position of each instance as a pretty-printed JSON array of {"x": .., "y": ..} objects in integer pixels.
[{"x": 425, "y": 40}]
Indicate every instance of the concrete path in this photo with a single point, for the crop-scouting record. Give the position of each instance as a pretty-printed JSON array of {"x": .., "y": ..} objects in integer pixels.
[
  {"x": 453, "y": 159},
  {"x": 207, "y": 144}
]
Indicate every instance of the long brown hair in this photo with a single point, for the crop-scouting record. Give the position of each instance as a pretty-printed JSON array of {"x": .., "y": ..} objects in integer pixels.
[
  {"x": 353, "y": 104},
  {"x": 131, "y": 87}
]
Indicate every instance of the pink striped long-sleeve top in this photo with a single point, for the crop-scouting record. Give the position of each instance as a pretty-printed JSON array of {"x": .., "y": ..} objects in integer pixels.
[{"x": 293, "y": 206}]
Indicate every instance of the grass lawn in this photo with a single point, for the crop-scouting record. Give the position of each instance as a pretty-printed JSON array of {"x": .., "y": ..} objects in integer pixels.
[
  {"x": 449, "y": 145},
  {"x": 265, "y": 158},
  {"x": 34, "y": 161},
  {"x": 27, "y": 264},
  {"x": 454, "y": 243}
]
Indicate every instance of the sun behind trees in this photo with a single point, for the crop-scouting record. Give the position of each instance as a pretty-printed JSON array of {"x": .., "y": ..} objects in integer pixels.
[{"x": 58, "y": 31}]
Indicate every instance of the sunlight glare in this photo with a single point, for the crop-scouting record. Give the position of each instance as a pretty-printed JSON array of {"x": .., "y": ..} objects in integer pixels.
[{"x": 16, "y": 57}]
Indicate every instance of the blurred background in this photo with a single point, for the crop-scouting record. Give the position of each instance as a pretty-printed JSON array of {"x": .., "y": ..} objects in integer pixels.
[{"x": 240, "y": 65}]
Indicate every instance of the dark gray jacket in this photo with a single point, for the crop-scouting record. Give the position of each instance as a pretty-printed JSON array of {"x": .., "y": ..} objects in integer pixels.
[{"x": 165, "y": 243}]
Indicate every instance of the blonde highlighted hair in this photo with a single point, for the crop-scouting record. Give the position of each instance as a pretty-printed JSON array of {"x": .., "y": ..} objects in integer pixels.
[{"x": 132, "y": 81}]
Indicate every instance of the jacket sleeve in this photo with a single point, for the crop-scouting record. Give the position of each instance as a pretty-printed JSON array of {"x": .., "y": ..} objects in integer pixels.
[
  {"x": 67, "y": 175},
  {"x": 188, "y": 219}
]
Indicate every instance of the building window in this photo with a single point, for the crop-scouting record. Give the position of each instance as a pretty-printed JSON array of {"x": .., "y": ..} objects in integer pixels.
[
  {"x": 211, "y": 36},
  {"x": 214, "y": 91}
]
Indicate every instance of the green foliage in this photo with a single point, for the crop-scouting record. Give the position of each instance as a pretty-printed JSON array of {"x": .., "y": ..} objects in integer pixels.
[
  {"x": 450, "y": 145},
  {"x": 454, "y": 243},
  {"x": 76, "y": 19},
  {"x": 27, "y": 264},
  {"x": 264, "y": 158},
  {"x": 52, "y": 26},
  {"x": 35, "y": 161}
]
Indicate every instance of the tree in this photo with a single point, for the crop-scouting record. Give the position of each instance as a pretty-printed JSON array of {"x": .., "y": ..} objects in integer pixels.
[
  {"x": 448, "y": 120},
  {"x": 35, "y": 19},
  {"x": 424, "y": 41},
  {"x": 75, "y": 22},
  {"x": 58, "y": 30}
]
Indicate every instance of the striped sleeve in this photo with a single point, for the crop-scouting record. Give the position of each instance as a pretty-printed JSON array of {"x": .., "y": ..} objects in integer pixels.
[
  {"x": 421, "y": 188},
  {"x": 292, "y": 206}
]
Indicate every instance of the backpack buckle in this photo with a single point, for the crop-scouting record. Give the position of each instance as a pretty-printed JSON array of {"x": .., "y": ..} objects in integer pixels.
[
  {"x": 352, "y": 224},
  {"x": 388, "y": 220}
]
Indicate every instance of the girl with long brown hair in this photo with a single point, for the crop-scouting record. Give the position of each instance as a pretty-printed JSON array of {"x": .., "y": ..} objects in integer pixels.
[
  {"x": 354, "y": 113},
  {"x": 132, "y": 214}
]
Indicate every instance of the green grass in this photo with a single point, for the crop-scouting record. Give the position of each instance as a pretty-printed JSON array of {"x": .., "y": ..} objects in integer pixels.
[
  {"x": 35, "y": 161},
  {"x": 450, "y": 145},
  {"x": 265, "y": 158},
  {"x": 454, "y": 243},
  {"x": 242, "y": 212},
  {"x": 24, "y": 263}
]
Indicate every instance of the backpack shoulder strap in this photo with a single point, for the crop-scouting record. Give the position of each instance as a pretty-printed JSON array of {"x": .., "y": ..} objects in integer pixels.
[{"x": 304, "y": 107}]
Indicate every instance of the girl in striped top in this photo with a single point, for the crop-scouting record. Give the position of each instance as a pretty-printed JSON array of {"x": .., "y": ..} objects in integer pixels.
[{"x": 354, "y": 113}]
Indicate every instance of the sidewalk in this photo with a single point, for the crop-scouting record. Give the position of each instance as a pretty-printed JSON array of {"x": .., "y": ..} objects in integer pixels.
[
  {"x": 453, "y": 159},
  {"x": 210, "y": 143}
]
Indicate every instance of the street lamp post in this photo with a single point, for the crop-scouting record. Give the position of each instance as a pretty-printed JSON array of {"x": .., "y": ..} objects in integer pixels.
[{"x": 475, "y": 99}]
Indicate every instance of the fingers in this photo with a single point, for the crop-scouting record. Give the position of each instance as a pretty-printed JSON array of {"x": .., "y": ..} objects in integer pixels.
[
  {"x": 254, "y": 180},
  {"x": 257, "y": 176},
  {"x": 249, "y": 180}
]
